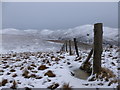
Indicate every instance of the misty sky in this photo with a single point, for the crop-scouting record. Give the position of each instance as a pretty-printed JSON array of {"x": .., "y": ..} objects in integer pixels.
[{"x": 61, "y": 15}]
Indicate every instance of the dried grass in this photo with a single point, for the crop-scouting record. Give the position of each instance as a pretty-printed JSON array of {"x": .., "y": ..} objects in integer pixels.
[
  {"x": 5, "y": 66},
  {"x": 33, "y": 65},
  {"x": 113, "y": 81},
  {"x": 32, "y": 76},
  {"x": 14, "y": 86},
  {"x": 27, "y": 88},
  {"x": 25, "y": 73},
  {"x": 15, "y": 75},
  {"x": 50, "y": 74},
  {"x": 21, "y": 68},
  {"x": 42, "y": 67},
  {"x": 12, "y": 70},
  {"x": 54, "y": 86},
  {"x": 107, "y": 73},
  {"x": 30, "y": 68},
  {"x": 104, "y": 74},
  {"x": 66, "y": 87},
  {"x": 62, "y": 57},
  {"x": 18, "y": 59},
  {"x": 4, "y": 81}
]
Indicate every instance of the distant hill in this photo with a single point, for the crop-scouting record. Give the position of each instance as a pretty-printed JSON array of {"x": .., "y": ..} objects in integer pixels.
[{"x": 82, "y": 33}]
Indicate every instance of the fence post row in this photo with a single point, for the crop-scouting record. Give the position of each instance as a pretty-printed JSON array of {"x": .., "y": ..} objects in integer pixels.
[{"x": 96, "y": 50}]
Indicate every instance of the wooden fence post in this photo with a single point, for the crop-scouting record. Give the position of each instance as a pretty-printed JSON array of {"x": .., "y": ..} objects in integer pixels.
[
  {"x": 89, "y": 56},
  {"x": 66, "y": 45},
  {"x": 70, "y": 51},
  {"x": 63, "y": 47},
  {"x": 98, "y": 32},
  {"x": 86, "y": 65},
  {"x": 76, "y": 48}
]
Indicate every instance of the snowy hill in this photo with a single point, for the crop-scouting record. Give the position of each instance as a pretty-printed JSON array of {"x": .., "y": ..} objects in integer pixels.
[
  {"x": 83, "y": 33},
  {"x": 35, "y": 40}
]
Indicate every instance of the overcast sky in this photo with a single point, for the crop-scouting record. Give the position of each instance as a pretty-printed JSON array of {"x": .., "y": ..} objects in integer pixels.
[{"x": 61, "y": 15}]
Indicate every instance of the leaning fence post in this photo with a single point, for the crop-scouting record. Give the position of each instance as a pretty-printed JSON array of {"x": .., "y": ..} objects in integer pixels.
[
  {"x": 86, "y": 65},
  {"x": 70, "y": 51},
  {"x": 89, "y": 56},
  {"x": 98, "y": 32},
  {"x": 76, "y": 48}
]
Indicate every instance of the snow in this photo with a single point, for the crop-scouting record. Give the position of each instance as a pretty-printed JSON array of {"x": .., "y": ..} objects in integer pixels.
[
  {"x": 35, "y": 40},
  {"x": 12, "y": 31},
  {"x": 31, "y": 47},
  {"x": 60, "y": 68},
  {"x": 46, "y": 32},
  {"x": 79, "y": 31}
]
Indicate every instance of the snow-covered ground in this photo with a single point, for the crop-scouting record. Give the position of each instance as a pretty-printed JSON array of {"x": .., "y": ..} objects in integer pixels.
[
  {"x": 61, "y": 64},
  {"x": 24, "y": 51},
  {"x": 25, "y": 43}
]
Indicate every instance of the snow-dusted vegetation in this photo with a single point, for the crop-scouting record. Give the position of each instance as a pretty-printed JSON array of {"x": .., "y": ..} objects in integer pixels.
[{"x": 28, "y": 60}]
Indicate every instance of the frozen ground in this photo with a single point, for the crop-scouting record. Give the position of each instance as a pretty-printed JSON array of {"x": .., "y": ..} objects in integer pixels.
[
  {"x": 25, "y": 43},
  {"x": 24, "y": 69},
  {"x": 23, "y": 52}
]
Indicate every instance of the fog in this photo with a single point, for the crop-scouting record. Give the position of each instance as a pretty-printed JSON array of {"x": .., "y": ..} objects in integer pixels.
[{"x": 58, "y": 15}]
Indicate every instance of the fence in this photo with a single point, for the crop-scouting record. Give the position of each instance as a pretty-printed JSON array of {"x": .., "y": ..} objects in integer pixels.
[{"x": 96, "y": 50}]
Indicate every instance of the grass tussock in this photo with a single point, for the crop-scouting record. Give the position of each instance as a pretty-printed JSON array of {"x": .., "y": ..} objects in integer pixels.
[
  {"x": 27, "y": 88},
  {"x": 30, "y": 68},
  {"x": 45, "y": 61},
  {"x": 12, "y": 70},
  {"x": 56, "y": 59},
  {"x": 54, "y": 86},
  {"x": 14, "y": 55},
  {"x": 41, "y": 56},
  {"x": 34, "y": 71},
  {"x": 38, "y": 77},
  {"x": 15, "y": 75},
  {"x": 25, "y": 74},
  {"x": 14, "y": 85},
  {"x": 66, "y": 87},
  {"x": 105, "y": 74},
  {"x": 5, "y": 66},
  {"x": 115, "y": 58},
  {"x": 1, "y": 70},
  {"x": 4, "y": 81},
  {"x": 21, "y": 68},
  {"x": 8, "y": 73},
  {"x": 4, "y": 62},
  {"x": 49, "y": 74},
  {"x": 18, "y": 59},
  {"x": 62, "y": 57},
  {"x": 33, "y": 65},
  {"x": 113, "y": 81},
  {"x": 33, "y": 76},
  {"x": 52, "y": 57},
  {"x": 42, "y": 67}
]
